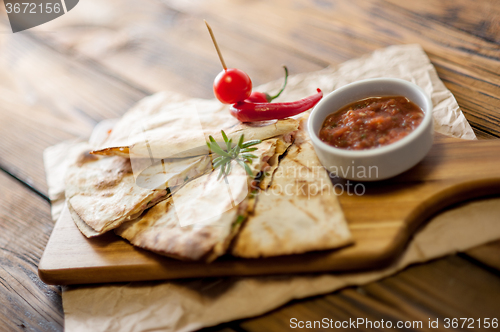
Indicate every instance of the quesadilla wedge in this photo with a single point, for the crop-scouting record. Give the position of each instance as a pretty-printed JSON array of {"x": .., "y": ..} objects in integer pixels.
[
  {"x": 299, "y": 212},
  {"x": 159, "y": 128},
  {"x": 192, "y": 230},
  {"x": 102, "y": 193},
  {"x": 199, "y": 221}
]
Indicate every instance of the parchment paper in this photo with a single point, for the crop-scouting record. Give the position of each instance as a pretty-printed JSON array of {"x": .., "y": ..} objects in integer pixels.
[{"x": 190, "y": 305}]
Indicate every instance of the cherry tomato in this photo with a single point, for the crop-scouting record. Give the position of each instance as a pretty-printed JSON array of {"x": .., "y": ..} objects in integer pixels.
[{"x": 232, "y": 85}]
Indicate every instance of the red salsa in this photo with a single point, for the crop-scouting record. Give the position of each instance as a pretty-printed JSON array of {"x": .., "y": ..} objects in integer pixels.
[{"x": 371, "y": 122}]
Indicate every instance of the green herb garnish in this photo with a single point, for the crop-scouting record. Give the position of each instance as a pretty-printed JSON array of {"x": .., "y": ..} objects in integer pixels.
[
  {"x": 239, "y": 153},
  {"x": 239, "y": 220}
]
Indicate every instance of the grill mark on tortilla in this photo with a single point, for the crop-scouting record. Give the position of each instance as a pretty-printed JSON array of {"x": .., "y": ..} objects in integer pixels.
[
  {"x": 309, "y": 214},
  {"x": 304, "y": 223}
]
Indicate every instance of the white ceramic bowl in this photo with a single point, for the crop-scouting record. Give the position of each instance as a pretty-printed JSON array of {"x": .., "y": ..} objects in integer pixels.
[{"x": 377, "y": 163}]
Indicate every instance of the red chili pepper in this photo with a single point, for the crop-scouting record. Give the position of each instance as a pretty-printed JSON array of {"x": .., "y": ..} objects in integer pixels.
[
  {"x": 249, "y": 112},
  {"x": 263, "y": 97}
]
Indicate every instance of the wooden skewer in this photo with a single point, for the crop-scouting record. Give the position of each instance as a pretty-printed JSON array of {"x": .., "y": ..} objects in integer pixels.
[{"x": 216, "y": 46}]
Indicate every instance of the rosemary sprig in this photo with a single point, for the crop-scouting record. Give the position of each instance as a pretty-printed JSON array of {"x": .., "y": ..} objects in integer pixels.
[{"x": 241, "y": 153}]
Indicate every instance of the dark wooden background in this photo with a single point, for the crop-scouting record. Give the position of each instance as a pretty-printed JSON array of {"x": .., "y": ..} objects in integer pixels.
[{"x": 58, "y": 80}]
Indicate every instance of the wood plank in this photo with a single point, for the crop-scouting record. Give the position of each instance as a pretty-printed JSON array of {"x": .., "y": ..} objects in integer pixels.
[
  {"x": 478, "y": 100},
  {"x": 165, "y": 48},
  {"x": 46, "y": 98},
  {"x": 318, "y": 33},
  {"x": 26, "y": 303},
  {"x": 483, "y": 135},
  {"x": 454, "y": 171},
  {"x": 223, "y": 328},
  {"x": 481, "y": 22},
  {"x": 445, "y": 288},
  {"x": 488, "y": 254}
]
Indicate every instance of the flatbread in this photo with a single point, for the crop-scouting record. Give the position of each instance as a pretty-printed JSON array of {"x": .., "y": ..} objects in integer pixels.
[
  {"x": 169, "y": 173},
  {"x": 199, "y": 221},
  {"x": 102, "y": 193},
  {"x": 159, "y": 128},
  {"x": 204, "y": 236},
  {"x": 298, "y": 213}
]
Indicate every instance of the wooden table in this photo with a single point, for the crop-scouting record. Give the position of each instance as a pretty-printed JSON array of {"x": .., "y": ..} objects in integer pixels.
[{"x": 58, "y": 80}]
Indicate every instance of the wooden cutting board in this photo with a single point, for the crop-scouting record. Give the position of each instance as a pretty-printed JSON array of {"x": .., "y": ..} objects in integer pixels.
[{"x": 382, "y": 221}]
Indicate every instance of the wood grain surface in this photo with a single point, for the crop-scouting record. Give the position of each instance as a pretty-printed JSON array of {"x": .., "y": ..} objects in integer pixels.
[
  {"x": 59, "y": 79},
  {"x": 381, "y": 220},
  {"x": 26, "y": 302}
]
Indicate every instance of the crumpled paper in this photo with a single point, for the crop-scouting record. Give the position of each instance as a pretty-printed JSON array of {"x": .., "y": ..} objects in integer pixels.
[
  {"x": 193, "y": 304},
  {"x": 408, "y": 62}
]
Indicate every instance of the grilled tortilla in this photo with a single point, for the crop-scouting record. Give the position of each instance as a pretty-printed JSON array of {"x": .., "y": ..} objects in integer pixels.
[
  {"x": 299, "y": 212},
  {"x": 159, "y": 128},
  {"x": 199, "y": 221},
  {"x": 102, "y": 193}
]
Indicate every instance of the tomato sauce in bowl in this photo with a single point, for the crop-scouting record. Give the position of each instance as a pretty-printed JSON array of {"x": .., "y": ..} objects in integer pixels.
[{"x": 370, "y": 123}]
